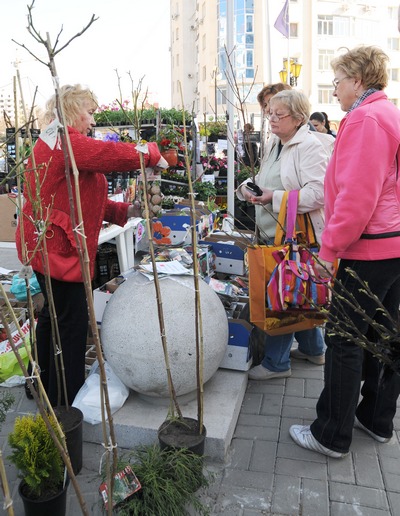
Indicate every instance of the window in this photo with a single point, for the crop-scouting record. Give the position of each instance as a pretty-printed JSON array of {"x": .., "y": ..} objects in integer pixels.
[
  {"x": 325, "y": 94},
  {"x": 394, "y": 74},
  {"x": 325, "y": 25},
  {"x": 341, "y": 26},
  {"x": 203, "y": 39},
  {"x": 294, "y": 30},
  {"x": 249, "y": 23},
  {"x": 204, "y": 73},
  {"x": 204, "y": 105},
  {"x": 324, "y": 59},
  {"x": 392, "y": 12},
  {"x": 393, "y": 43},
  {"x": 177, "y": 59},
  {"x": 177, "y": 33},
  {"x": 395, "y": 102}
]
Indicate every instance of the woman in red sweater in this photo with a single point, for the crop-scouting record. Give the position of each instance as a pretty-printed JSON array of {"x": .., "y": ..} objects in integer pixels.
[{"x": 50, "y": 206}]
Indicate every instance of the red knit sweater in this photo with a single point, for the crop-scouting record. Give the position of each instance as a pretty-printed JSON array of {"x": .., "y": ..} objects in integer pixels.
[{"x": 93, "y": 158}]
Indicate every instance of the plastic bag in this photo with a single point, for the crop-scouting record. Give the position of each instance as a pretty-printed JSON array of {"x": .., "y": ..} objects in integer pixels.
[
  {"x": 18, "y": 287},
  {"x": 88, "y": 397},
  {"x": 8, "y": 361}
]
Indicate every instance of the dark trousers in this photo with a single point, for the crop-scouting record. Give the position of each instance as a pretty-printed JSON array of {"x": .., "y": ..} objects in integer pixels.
[
  {"x": 340, "y": 399},
  {"x": 72, "y": 318}
]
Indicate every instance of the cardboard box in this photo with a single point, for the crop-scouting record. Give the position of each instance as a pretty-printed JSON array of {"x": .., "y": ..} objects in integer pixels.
[
  {"x": 8, "y": 217},
  {"x": 173, "y": 228},
  {"x": 101, "y": 296},
  {"x": 238, "y": 354},
  {"x": 229, "y": 251}
]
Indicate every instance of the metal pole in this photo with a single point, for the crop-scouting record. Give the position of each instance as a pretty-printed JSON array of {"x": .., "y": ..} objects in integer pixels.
[{"x": 230, "y": 109}]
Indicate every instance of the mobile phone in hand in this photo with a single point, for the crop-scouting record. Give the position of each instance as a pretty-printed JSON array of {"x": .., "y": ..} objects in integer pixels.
[{"x": 254, "y": 189}]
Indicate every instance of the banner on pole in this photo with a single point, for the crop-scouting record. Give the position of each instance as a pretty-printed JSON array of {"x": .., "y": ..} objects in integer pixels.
[{"x": 282, "y": 22}]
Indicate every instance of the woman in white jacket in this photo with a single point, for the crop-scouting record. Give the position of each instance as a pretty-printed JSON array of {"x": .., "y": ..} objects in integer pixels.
[{"x": 295, "y": 159}]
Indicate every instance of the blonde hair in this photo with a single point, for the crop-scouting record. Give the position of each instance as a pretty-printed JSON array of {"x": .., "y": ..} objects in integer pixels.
[
  {"x": 72, "y": 99},
  {"x": 297, "y": 103},
  {"x": 366, "y": 63}
]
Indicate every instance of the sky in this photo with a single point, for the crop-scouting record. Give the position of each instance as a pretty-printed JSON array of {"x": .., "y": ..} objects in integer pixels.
[{"x": 130, "y": 36}]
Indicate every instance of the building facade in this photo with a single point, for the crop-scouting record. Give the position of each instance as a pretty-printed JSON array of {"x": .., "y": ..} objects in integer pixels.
[{"x": 318, "y": 29}]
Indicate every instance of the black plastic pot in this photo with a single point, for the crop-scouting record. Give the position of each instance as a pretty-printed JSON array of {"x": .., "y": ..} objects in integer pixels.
[
  {"x": 54, "y": 506},
  {"x": 72, "y": 423},
  {"x": 182, "y": 434}
]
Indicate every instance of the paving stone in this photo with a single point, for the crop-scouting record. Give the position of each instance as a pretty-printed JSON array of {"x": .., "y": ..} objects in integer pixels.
[
  {"x": 367, "y": 470},
  {"x": 394, "y": 502},
  {"x": 293, "y": 451},
  {"x": 313, "y": 388},
  {"x": 257, "y": 432},
  {"x": 241, "y": 453},
  {"x": 302, "y": 468},
  {"x": 358, "y": 495},
  {"x": 267, "y": 387},
  {"x": 295, "y": 387},
  {"x": 286, "y": 497},
  {"x": 315, "y": 498},
  {"x": 295, "y": 401},
  {"x": 299, "y": 412},
  {"x": 233, "y": 498},
  {"x": 345, "y": 509},
  {"x": 342, "y": 470},
  {"x": 258, "y": 420},
  {"x": 271, "y": 405},
  {"x": 391, "y": 474},
  {"x": 251, "y": 403},
  {"x": 307, "y": 371},
  {"x": 263, "y": 456},
  {"x": 248, "y": 479}
]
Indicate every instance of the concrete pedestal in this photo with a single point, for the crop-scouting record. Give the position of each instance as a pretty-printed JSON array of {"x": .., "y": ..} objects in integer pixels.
[{"x": 137, "y": 422}]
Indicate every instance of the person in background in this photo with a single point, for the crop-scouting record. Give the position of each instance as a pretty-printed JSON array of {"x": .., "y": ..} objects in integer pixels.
[
  {"x": 362, "y": 229},
  {"x": 321, "y": 123},
  {"x": 50, "y": 203},
  {"x": 250, "y": 148},
  {"x": 294, "y": 160}
]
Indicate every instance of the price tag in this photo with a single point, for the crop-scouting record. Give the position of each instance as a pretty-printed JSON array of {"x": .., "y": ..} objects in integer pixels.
[{"x": 50, "y": 134}]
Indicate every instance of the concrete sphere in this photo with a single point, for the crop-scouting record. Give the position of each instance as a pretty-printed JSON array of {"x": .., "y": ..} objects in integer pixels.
[{"x": 130, "y": 334}]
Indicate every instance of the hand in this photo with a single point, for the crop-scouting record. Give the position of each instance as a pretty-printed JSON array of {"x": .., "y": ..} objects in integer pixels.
[
  {"x": 163, "y": 163},
  {"x": 265, "y": 198},
  {"x": 134, "y": 210},
  {"x": 324, "y": 269}
]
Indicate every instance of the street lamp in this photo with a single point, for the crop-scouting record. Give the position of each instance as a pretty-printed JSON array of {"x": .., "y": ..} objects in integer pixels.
[{"x": 291, "y": 67}]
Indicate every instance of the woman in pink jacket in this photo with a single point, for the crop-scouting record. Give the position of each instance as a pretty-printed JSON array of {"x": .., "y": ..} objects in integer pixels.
[
  {"x": 46, "y": 199},
  {"x": 362, "y": 229}
]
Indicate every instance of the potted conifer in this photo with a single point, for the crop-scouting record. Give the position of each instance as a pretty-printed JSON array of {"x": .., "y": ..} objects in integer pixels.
[{"x": 43, "y": 486}]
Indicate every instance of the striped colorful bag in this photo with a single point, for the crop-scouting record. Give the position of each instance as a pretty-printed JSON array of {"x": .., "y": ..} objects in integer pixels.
[{"x": 294, "y": 283}]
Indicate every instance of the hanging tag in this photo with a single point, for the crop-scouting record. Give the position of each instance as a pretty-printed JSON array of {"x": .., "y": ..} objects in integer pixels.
[
  {"x": 142, "y": 147},
  {"x": 50, "y": 134}
]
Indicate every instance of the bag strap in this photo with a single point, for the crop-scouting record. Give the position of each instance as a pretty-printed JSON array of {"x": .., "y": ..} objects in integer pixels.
[
  {"x": 279, "y": 231},
  {"x": 303, "y": 222},
  {"x": 291, "y": 215}
]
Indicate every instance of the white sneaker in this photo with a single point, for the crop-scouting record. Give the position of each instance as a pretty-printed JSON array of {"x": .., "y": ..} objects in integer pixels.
[
  {"x": 315, "y": 359},
  {"x": 302, "y": 436},
  {"x": 262, "y": 373},
  {"x": 358, "y": 424}
]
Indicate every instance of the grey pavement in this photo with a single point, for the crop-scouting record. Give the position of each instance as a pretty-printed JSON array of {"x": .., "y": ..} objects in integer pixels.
[{"x": 264, "y": 473}]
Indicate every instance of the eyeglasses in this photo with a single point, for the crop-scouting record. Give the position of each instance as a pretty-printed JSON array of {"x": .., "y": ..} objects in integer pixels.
[
  {"x": 335, "y": 82},
  {"x": 277, "y": 118}
]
